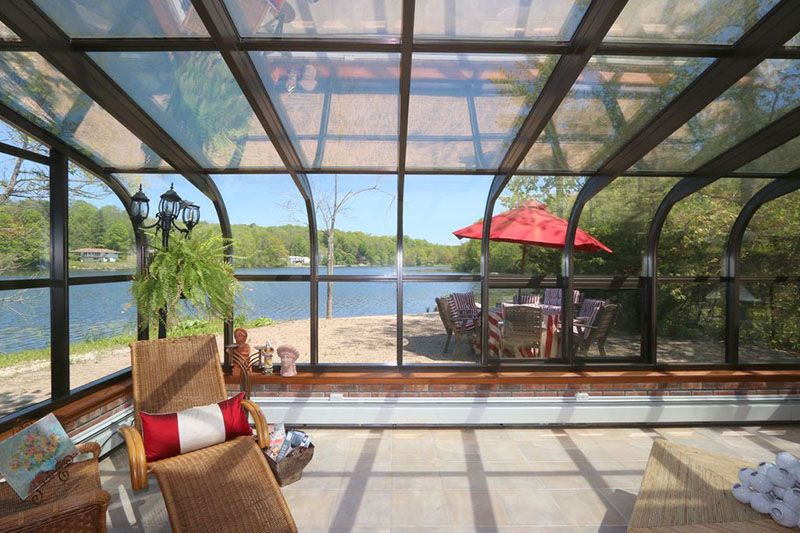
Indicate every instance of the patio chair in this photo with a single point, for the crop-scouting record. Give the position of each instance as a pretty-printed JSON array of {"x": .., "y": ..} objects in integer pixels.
[
  {"x": 526, "y": 299},
  {"x": 453, "y": 324},
  {"x": 522, "y": 328},
  {"x": 553, "y": 297},
  {"x": 588, "y": 311},
  {"x": 595, "y": 332}
]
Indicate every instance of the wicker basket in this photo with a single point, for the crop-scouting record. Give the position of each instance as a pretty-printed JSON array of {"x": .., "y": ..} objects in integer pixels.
[{"x": 290, "y": 469}]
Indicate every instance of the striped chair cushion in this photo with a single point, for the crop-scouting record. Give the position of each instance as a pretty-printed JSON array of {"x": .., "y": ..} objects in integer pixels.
[
  {"x": 553, "y": 297},
  {"x": 526, "y": 299},
  {"x": 588, "y": 312},
  {"x": 462, "y": 305}
]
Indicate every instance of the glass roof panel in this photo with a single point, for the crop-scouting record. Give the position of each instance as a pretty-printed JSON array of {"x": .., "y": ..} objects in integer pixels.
[
  {"x": 312, "y": 18},
  {"x": 464, "y": 110},
  {"x": 700, "y": 21},
  {"x": 766, "y": 93},
  {"x": 546, "y": 20},
  {"x": 125, "y": 18},
  {"x": 339, "y": 108},
  {"x": 611, "y": 100},
  {"x": 785, "y": 158},
  {"x": 194, "y": 97},
  {"x": 32, "y": 87},
  {"x": 6, "y": 34},
  {"x": 794, "y": 41}
]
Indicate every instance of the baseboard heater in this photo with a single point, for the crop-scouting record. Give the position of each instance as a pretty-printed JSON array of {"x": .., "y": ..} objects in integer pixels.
[{"x": 584, "y": 410}]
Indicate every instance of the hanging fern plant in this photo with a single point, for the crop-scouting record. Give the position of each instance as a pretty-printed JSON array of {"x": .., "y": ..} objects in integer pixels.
[{"x": 189, "y": 277}]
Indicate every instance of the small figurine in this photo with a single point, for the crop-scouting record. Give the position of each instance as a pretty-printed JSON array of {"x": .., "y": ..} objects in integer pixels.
[
  {"x": 241, "y": 359},
  {"x": 288, "y": 355},
  {"x": 242, "y": 350}
]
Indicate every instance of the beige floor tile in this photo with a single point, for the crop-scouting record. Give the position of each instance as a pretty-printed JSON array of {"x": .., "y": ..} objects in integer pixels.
[
  {"x": 566, "y": 475},
  {"x": 463, "y": 475},
  {"x": 587, "y": 507},
  {"x": 312, "y": 507},
  {"x": 621, "y": 474},
  {"x": 362, "y": 476},
  {"x": 406, "y": 435},
  {"x": 419, "y": 508},
  {"x": 371, "y": 508},
  {"x": 545, "y": 450},
  {"x": 416, "y": 476},
  {"x": 512, "y": 476},
  {"x": 480, "y": 508},
  {"x": 531, "y": 507},
  {"x": 500, "y": 452},
  {"x": 621, "y": 499},
  {"x": 412, "y": 450}
]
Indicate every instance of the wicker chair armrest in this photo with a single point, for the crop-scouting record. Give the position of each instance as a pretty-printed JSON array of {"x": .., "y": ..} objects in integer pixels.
[
  {"x": 262, "y": 431},
  {"x": 136, "y": 456},
  {"x": 89, "y": 447},
  {"x": 49, "y": 513}
]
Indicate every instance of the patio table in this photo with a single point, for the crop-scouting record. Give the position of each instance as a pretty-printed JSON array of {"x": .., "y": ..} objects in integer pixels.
[{"x": 551, "y": 315}]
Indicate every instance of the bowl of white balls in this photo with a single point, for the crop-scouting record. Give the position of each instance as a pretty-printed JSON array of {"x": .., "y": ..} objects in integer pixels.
[{"x": 772, "y": 489}]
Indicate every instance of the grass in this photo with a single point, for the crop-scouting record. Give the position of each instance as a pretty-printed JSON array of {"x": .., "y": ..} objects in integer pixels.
[{"x": 187, "y": 327}]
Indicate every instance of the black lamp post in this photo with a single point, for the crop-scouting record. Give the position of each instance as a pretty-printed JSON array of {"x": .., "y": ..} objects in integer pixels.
[{"x": 170, "y": 208}]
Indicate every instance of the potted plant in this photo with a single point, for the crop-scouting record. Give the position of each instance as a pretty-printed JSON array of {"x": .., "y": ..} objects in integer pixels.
[{"x": 190, "y": 276}]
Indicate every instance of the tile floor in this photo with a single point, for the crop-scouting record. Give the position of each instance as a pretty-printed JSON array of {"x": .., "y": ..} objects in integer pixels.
[{"x": 458, "y": 480}]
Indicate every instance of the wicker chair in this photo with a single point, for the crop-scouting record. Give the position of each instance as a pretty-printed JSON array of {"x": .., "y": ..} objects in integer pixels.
[
  {"x": 76, "y": 505},
  {"x": 453, "y": 325},
  {"x": 596, "y": 332},
  {"x": 171, "y": 375},
  {"x": 522, "y": 327}
]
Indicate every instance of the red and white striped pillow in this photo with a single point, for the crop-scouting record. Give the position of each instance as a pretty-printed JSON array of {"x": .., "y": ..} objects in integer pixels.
[{"x": 167, "y": 435}]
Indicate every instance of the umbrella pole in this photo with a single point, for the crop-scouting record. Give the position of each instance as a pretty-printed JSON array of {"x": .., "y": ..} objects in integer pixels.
[{"x": 522, "y": 265}]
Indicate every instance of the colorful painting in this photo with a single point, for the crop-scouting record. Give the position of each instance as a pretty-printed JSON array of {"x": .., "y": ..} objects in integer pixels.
[{"x": 31, "y": 457}]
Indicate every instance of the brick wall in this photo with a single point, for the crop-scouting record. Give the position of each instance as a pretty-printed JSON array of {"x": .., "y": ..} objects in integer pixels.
[
  {"x": 504, "y": 390},
  {"x": 97, "y": 414}
]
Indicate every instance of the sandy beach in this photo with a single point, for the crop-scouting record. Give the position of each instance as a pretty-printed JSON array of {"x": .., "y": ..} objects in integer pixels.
[{"x": 353, "y": 340}]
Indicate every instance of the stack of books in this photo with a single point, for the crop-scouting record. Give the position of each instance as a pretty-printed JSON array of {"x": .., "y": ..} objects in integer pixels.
[{"x": 283, "y": 443}]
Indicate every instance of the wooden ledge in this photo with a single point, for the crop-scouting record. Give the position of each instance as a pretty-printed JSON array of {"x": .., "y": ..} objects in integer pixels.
[
  {"x": 87, "y": 404},
  {"x": 478, "y": 378}
]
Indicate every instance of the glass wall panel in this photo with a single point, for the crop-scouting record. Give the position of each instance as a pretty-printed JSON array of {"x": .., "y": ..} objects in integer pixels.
[
  {"x": 340, "y": 108},
  {"x": 426, "y": 340},
  {"x": 6, "y": 34},
  {"x": 696, "y": 231},
  {"x": 771, "y": 243},
  {"x": 11, "y": 135},
  {"x": 303, "y": 18},
  {"x": 765, "y": 94},
  {"x": 706, "y": 21},
  {"x": 785, "y": 158},
  {"x": 362, "y": 326},
  {"x": 621, "y": 224},
  {"x": 544, "y": 20},
  {"x": 124, "y": 18},
  {"x": 278, "y": 312},
  {"x": 464, "y": 110},
  {"x": 182, "y": 92},
  {"x": 24, "y": 348},
  {"x": 356, "y": 223},
  {"x": 615, "y": 330},
  {"x": 527, "y": 333},
  {"x": 24, "y": 219},
  {"x": 434, "y": 207},
  {"x": 769, "y": 331},
  {"x": 691, "y": 322},
  {"x": 541, "y": 206},
  {"x": 101, "y": 325},
  {"x": 611, "y": 101},
  {"x": 101, "y": 239},
  {"x": 39, "y": 92}
]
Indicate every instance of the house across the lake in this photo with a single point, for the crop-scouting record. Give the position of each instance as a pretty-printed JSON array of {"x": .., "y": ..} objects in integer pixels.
[
  {"x": 299, "y": 260},
  {"x": 96, "y": 255}
]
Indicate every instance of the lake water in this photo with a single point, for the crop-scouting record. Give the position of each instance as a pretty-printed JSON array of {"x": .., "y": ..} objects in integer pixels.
[{"x": 98, "y": 311}]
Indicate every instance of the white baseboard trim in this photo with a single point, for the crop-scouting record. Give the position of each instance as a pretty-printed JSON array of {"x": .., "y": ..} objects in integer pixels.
[
  {"x": 105, "y": 433},
  {"x": 529, "y": 411}
]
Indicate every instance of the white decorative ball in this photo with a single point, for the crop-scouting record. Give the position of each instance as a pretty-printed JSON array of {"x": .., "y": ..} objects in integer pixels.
[
  {"x": 791, "y": 497},
  {"x": 784, "y": 515},
  {"x": 741, "y": 493},
  {"x": 764, "y": 466},
  {"x": 744, "y": 475},
  {"x": 761, "y": 502},
  {"x": 760, "y": 483},
  {"x": 786, "y": 460},
  {"x": 780, "y": 477}
]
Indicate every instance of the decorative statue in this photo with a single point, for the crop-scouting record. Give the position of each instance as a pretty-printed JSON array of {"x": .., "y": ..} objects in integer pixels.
[
  {"x": 288, "y": 355},
  {"x": 242, "y": 350},
  {"x": 241, "y": 359}
]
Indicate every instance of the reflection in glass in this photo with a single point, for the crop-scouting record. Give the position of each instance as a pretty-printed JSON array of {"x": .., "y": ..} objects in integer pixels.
[
  {"x": 36, "y": 90},
  {"x": 770, "y": 246},
  {"x": 550, "y": 20},
  {"x": 557, "y": 193},
  {"x": 270, "y": 224},
  {"x": 434, "y": 207},
  {"x": 363, "y": 328},
  {"x": 428, "y": 327},
  {"x": 340, "y": 108},
  {"x": 24, "y": 348},
  {"x": 24, "y": 219},
  {"x": 621, "y": 224},
  {"x": 277, "y": 312},
  {"x": 785, "y": 158},
  {"x": 464, "y": 110},
  {"x": 311, "y": 18},
  {"x": 768, "y": 322},
  {"x": 182, "y": 92},
  {"x": 99, "y": 333},
  {"x": 611, "y": 100},
  {"x": 6, "y": 34},
  {"x": 696, "y": 231},
  {"x": 691, "y": 322},
  {"x": 765, "y": 94},
  {"x": 124, "y": 18},
  {"x": 706, "y": 21}
]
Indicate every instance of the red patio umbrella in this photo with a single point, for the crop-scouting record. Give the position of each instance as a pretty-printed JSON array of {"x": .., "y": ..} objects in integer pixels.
[{"x": 531, "y": 224}]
